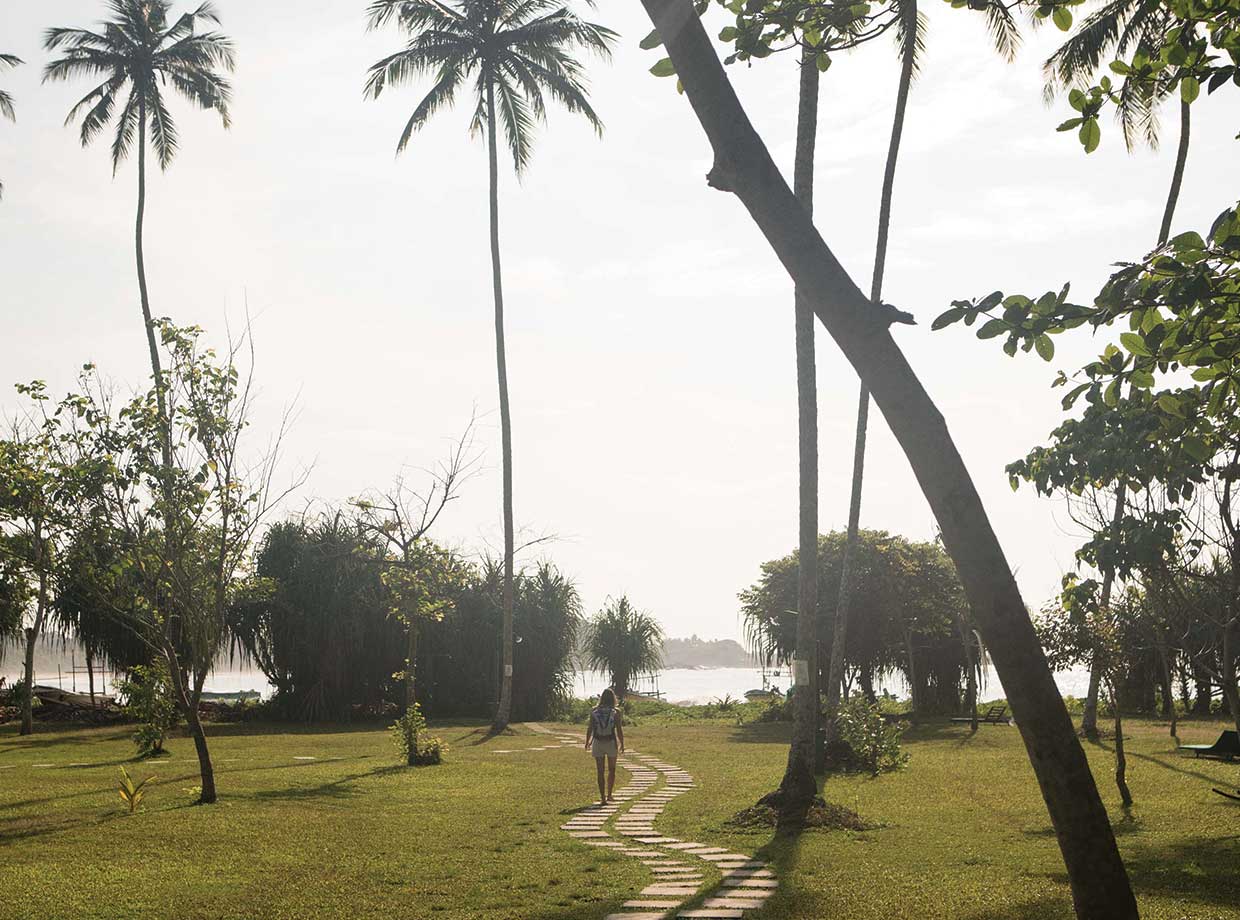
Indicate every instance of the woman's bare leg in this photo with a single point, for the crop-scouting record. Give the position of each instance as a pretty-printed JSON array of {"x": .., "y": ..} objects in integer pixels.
[
  {"x": 611, "y": 776},
  {"x": 602, "y": 788}
]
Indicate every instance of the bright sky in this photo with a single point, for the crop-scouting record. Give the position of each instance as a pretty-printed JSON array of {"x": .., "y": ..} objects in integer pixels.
[{"x": 650, "y": 328}]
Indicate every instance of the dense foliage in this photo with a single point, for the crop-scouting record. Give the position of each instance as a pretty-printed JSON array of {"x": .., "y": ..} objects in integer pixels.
[{"x": 907, "y": 611}]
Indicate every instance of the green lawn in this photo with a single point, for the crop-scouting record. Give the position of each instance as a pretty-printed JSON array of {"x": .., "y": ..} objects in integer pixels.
[{"x": 350, "y": 835}]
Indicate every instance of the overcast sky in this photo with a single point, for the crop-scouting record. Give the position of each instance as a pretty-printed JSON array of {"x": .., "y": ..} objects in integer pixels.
[{"x": 649, "y": 327}]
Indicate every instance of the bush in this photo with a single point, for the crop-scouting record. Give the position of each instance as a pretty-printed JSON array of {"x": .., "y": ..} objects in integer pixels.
[
  {"x": 865, "y": 740},
  {"x": 148, "y": 701},
  {"x": 416, "y": 746}
]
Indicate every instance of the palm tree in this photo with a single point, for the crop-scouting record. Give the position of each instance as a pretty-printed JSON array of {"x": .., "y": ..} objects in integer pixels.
[
  {"x": 911, "y": 37},
  {"x": 625, "y": 642},
  {"x": 6, "y": 101},
  {"x": 1118, "y": 27},
  {"x": 521, "y": 52},
  {"x": 139, "y": 55}
]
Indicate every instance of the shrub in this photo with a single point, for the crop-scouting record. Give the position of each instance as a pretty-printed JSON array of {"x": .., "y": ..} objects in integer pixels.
[
  {"x": 416, "y": 746},
  {"x": 148, "y": 701},
  {"x": 865, "y": 740}
]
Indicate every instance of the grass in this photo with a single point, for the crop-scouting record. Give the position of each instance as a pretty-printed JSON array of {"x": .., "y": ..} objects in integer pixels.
[{"x": 963, "y": 831}]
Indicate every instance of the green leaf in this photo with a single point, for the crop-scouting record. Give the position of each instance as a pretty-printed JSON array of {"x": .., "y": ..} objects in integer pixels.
[
  {"x": 1062, "y": 17},
  {"x": 946, "y": 318},
  {"x": 1170, "y": 405},
  {"x": 1070, "y": 124},
  {"x": 651, "y": 41},
  {"x": 1196, "y": 448},
  {"x": 728, "y": 34},
  {"x": 1190, "y": 89},
  {"x": 823, "y": 62},
  {"x": 1045, "y": 347},
  {"x": 1142, "y": 379},
  {"x": 664, "y": 68},
  {"x": 1110, "y": 396},
  {"x": 1135, "y": 344},
  {"x": 1076, "y": 99},
  {"x": 1204, "y": 374},
  {"x": 1090, "y": 135},
  {"x": 992, "y": 328}
]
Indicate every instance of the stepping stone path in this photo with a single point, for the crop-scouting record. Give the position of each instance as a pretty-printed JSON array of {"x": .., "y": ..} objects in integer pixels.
[{"x": 627, "y": 827}]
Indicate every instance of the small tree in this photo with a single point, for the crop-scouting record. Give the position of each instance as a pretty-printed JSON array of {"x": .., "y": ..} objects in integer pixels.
[
  {"x": 624, "y": 641},
  {"x": 41, "y": 490},
  {"x": 185, "y": 532},
  {"x": 149, "y": 701}
]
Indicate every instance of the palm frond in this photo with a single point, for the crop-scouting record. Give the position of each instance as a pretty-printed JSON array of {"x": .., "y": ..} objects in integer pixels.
[
  {"x": 1004, "y": 31},
  {"x": 521, "y": 50},
  {"x": 126, "y": 126},
  {"x": 911, "y": 40},
  {"x": 136, "y": 45},
  {"x": 6, "y": 106}
]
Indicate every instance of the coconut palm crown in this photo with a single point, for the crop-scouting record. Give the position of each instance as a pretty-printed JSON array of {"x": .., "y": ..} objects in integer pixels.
[
  {"x": 140, "y": 53},
  {"x": 519, "y": 49}
]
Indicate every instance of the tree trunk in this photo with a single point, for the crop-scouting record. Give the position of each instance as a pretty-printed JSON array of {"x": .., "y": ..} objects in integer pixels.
[
  {"x": 32, "y": 638},
  {"x": 843, "y": 609},
  {"x": 970, "y": 681},
  {"x": 1121, "y": 762},
  {"x": 1100, "y": 886},
  {"x": 914, "y": 689},
  {"x": 1168, "y": 696},
  {"x": 187, "y": 699},
  {"x": 411, "y": 666},
  {"x": 1177, "y": 177},
  {"x": 90, "y": 676},
  {"x": 504, "y": 711},
  {"x": 865, "y": 678},
  {"x": 798, "y": 788},
  {"x": 1089, "y": 717},
  {"x": 1227, "y": 673}
]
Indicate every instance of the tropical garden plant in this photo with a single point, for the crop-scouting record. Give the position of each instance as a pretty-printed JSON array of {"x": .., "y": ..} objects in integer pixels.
[
  {"x": 519, "y": 55},
  {"x": 625, "y": 642}
]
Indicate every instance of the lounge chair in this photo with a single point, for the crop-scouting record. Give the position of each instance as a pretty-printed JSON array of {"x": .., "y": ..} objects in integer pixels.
[
  {"x": 1227, "y": 747},
  {"x": 995, "y": 715}
]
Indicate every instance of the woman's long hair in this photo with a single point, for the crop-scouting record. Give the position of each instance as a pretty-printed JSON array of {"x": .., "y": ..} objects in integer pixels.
[{"x": 607, "y": 699}]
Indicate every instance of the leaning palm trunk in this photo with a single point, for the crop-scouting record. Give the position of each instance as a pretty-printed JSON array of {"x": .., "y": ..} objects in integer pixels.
[
  {"x": 742, "y": 165},
  {"x": 843, "y": 609},
  {"x": 1089, "y": 718},
  {"x": 798, "y": 787},
  {"x": 504, "y": 711}
]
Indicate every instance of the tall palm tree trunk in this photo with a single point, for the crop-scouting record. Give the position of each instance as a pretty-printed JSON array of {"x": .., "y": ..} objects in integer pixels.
[
  {"x": 798, "y": 787},
  {"x": 504, "y": 711},
  {"x": 1177, "y": 176},
  {"x": 148, "y": 324},
  {"x": 843, "y": 609},
  {"x": 189, "y": 704},
  {"x": 1089, "y": 718},
  {"x": 743, "y": 166}
]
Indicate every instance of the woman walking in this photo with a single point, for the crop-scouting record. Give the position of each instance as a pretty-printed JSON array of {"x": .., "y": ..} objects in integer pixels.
[{"x": 608, "y": 742}]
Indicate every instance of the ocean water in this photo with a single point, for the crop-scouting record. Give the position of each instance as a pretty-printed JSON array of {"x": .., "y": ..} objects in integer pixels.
[{"x": 677, "y": 685}]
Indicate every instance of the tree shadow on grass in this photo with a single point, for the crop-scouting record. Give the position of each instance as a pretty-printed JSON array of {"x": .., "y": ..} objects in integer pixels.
[
  {"x": 1046, "y": 907},
  {"x": 1160, "y": 762},
  {"x": 341, "y": 788},
  {"x": 1202, "y": 869}
]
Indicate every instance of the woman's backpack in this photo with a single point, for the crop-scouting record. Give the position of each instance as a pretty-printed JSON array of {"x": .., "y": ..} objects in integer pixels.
[{"x": 603, "y": 720}]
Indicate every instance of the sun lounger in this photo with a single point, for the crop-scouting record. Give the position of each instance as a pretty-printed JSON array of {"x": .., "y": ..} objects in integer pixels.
[
  {"x": 995, "y": 715},
  {"x": 1227, "y": 747}
]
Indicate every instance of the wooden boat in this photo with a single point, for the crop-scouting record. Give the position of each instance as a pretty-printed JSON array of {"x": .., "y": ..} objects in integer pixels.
[{"x": 56, "y": 697}]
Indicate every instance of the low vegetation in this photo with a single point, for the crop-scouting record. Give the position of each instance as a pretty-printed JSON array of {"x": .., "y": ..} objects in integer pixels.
[{"x": 319, "y": 821}]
